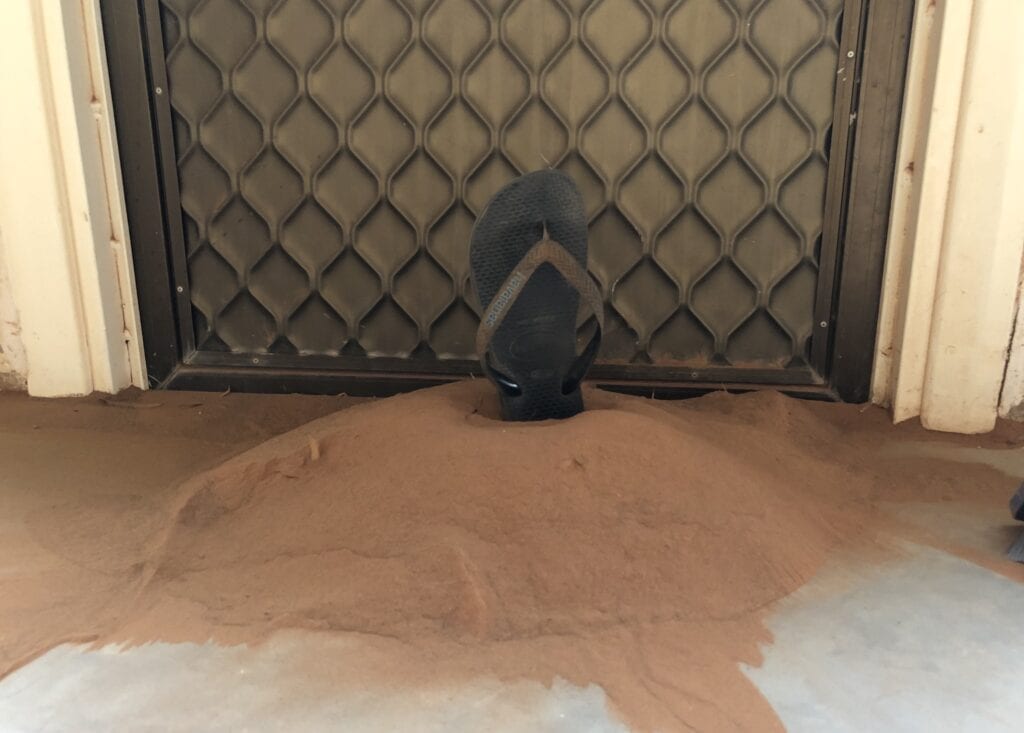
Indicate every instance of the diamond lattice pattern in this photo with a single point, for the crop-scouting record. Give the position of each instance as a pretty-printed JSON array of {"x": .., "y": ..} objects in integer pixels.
[{"x": 332, "y": 156}]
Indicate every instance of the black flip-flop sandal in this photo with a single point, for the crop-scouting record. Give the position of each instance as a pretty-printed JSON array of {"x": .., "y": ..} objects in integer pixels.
[{"x": 528, "y": 256}]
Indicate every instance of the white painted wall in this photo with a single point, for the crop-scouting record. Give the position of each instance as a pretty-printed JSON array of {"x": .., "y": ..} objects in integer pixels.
[
  {"x": 1011, "y": 401},
  {"x": 931, "y": 109},
  {"x": 12, "y": 352},
  {"x": 61, "y": 210},
  {"x": 957, "y": 231},
  {"x": 983, "y": 241}
]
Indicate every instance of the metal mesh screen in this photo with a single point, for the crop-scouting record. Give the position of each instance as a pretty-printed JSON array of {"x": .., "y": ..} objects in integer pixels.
[{"x": 332, "y": 157}]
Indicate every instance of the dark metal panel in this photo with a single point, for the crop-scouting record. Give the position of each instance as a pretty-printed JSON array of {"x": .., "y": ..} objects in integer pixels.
[
  {"x": 382, "y": 384},
  {"x": 870, "y": 197},
  {"x": 843, "y": 131},
  {"x": 309, "y": 381},
  {"x": 167, "y": 171},
  {"x": 466, "y": 368},
  {"x": 129, "y": 86}
]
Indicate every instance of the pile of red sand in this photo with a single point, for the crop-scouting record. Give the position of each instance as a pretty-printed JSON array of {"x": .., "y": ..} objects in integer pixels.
[
  {"x": 637, "y": 546},
  {"x": 633, "y": 529}
]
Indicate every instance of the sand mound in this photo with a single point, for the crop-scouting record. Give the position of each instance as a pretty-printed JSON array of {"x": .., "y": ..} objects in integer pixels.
[{"x": 635, "y": 545}]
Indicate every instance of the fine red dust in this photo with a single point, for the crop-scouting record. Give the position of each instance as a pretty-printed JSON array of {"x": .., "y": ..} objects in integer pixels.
[{"x": 637, "y": 546}]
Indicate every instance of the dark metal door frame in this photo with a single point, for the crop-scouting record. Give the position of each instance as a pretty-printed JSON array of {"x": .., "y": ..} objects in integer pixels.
[{"x": 873, "y": 57}]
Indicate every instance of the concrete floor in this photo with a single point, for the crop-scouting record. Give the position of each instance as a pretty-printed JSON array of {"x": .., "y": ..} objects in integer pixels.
[
  {"x": 927, "y": 643},
  {"x": 932, "y": 643}
]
